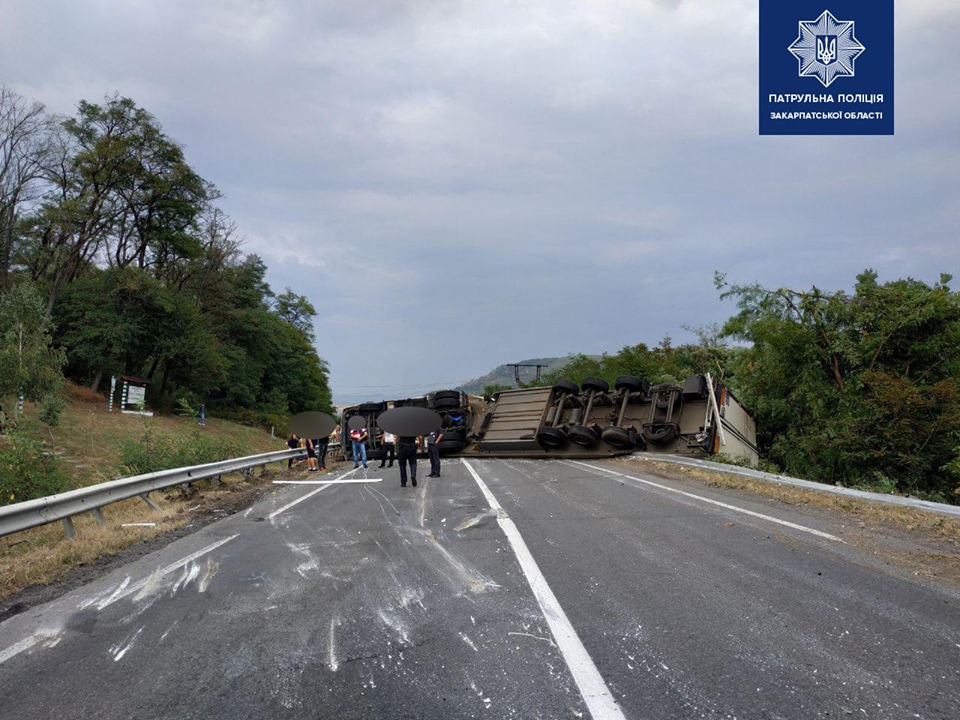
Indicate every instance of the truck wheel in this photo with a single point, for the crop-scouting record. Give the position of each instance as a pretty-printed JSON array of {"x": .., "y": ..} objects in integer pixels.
[
  {"x": 618, "y": 437},
  {"x": 583, "y": 436},
  {"x": 594, "y": 383},
  {"x": 453, "y": 435},
  {"x": 660, "y": 434},
  {"x": 631, "y": 383},
  {"x": 565, "y": 387},
  {"x": 446, "y": 403},
  {"x": 551, "y": 438},
  {"x": 446, "y": 447}
]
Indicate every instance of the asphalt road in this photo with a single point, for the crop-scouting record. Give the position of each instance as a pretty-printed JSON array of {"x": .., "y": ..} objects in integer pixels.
[{"x": 504, "y": 589}]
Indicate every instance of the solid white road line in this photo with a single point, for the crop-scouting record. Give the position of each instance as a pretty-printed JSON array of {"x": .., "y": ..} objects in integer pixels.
[
  {"x": 802, "y": 528},
  {"x": 326, "y": 482},
  {"x": 309, "y": 495},
  {"x": 596, "y": 694},
  {"x": 121, "y": 592},
  {"x": 14, "y": 650}
]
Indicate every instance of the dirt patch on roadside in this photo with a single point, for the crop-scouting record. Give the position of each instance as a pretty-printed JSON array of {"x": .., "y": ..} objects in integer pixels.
[
  {"x": 40, "y": 565},
  {"x": 903, "y": 541}
]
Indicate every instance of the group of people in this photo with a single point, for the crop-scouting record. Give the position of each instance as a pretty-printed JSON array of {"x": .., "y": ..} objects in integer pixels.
[
  {"x": 403, "y": 448},
  {"x": 316, "y": 451}
]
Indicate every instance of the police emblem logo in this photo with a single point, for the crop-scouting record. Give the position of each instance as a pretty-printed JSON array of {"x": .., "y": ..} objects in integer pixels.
[{"x": 826, "y": 48}]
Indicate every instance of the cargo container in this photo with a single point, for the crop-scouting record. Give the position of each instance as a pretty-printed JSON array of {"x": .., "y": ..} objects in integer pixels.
[{"x": 698, "y": 417}]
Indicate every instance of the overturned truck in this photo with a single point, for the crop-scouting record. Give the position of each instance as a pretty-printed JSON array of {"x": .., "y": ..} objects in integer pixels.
[{"x": 698, "y": 417}]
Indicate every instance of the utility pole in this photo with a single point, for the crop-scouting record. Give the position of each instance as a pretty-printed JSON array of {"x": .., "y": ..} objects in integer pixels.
[{"x": 516, "y": 372}]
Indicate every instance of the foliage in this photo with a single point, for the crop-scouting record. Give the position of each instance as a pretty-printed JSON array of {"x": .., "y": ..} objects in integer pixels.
[
  {"x": 859, "y": 389},
  {"x": 155, "y": 451},
  {"x": 297, "y": 311},
  {"x": 491, "y": 390},
  {"x": 731, "y": 460},
  {"x": 128, "y": 256},
  {"x": 27, "y": 471},
  {"x": 660, "y": 364},
  {"x": 28, "y": 362},
  {"x": 51, "y": 408}
]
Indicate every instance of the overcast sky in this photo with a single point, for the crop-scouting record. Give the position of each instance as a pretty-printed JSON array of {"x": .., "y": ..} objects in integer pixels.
[{"x": 457, "y": 185}]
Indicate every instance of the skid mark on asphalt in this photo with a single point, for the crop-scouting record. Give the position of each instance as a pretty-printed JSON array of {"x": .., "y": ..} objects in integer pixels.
[
  {"x": 476, "y": 521},
  {"x": 121, "y": 649}
]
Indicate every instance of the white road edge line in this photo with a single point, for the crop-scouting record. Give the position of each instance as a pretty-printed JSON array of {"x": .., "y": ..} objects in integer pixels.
[
  {"x": 309, "y": 495},
  {"x": 29, "y": 642},
  {"x": 597, "y": 696},
  {"x": 802, "y": 528}
]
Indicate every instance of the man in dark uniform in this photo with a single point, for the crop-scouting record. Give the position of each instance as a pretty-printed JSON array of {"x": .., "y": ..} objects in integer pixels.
[
  {"x": 433, "y": 450},
  {"x": 321, "y": 445},
  {"x": 407, "y": 452},
  {"x": 293, "y": 443}
]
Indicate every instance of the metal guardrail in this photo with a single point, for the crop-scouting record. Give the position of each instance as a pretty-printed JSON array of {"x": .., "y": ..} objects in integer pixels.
[
  {"x": 63, "y": 506},
  {"x": 806, "y": 484}
]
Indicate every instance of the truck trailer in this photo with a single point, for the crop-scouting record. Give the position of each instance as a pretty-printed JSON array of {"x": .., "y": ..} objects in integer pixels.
[{"x": 699, "y": 417}]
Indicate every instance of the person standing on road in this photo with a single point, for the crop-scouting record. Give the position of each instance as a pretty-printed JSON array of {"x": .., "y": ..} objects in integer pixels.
[
  {"x": 388, "y": 442},
  {"x": 321, "y": 444},
  {"x": 293, "y": 442},
  {"x": 311, "y": 454},
  {"x": 359, "y": 440},
  {"x": 407, "y": 453},
  {"x": 433, "y": 450}
]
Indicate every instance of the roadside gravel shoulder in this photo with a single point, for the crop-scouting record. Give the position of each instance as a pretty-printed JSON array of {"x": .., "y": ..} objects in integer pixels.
[{"x": 206, "y": 505}]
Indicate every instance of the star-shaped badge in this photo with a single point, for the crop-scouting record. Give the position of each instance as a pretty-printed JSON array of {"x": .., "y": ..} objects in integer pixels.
[{"x": 826, "y": 48}]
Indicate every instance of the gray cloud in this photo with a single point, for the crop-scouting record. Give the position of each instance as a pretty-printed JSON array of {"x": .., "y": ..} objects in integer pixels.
[{"x": 458, "y": 185}]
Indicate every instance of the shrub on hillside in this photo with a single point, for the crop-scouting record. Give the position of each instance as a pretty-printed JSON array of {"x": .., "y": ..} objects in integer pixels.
[
  {"x": 27, "y": 471},
  {"x": 154, "y": 451},
  {"x": 79, "y": 393}
]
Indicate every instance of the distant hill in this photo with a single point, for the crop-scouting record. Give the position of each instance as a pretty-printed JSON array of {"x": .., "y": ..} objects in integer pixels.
[{"x": 504, "y": 374}]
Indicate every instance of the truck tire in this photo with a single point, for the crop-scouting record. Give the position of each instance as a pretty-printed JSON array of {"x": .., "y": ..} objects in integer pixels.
[
  {"x": 659, "y": 434},
  {"x": 583, "y": 436},
  {"x": 618, "y": 437},
  {"x": 565, "y": 387},
  {"x": 454, "y": 435},
  {"x": 595, "y": 384},
  {"x": 550, "y": 438},
  {"x": 631, "y": 383},
  {"x": 447, "y": 447},
  {"x": 446, "y": 403}
]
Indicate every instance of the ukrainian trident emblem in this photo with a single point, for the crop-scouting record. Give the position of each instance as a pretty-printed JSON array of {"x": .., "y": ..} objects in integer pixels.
[{"x": 826, "y": 48}]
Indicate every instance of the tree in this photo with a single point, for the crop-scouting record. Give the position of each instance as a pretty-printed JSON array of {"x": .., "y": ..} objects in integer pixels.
[
  {"x": 29, "y": 365},
  {"x": 122, "y": 192},
  {"x": 298, "y": 312},
  {"x": 860, "y": 388},
  {"x": 26, "y": 142}
]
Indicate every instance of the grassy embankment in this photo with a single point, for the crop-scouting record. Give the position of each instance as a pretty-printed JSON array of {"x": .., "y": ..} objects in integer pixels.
[{"x": 91, "y": 446}]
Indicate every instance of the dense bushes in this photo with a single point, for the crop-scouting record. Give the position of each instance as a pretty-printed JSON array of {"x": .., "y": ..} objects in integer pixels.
[
  {"x": 27, "y": 471},
  {"x": 155, "y": 451}
]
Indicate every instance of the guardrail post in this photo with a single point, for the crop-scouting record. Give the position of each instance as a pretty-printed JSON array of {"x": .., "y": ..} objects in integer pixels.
[
  {"x": 68, "y": 528},
  {"x": 146, "y": 498},
  {"x": 98, "y": 516}
]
